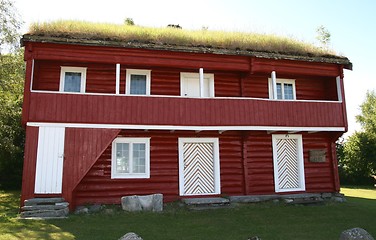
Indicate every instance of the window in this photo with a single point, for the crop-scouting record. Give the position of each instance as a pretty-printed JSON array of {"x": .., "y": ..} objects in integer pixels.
[
  {"x": 285, "y": 89},
  {"x": 73, "y": 79},
  {"x": 190, "y": 85},
  {"x": 130, "y": 158},
  {"x": 138, "y": 82}
]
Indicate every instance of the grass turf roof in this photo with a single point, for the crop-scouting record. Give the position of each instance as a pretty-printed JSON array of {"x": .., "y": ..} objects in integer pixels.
[{"x": 170, "y": 38}]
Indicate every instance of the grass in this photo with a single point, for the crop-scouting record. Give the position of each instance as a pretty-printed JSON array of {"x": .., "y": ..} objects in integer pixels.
[
  {"x": 268, "y": 221},
  {"x": 180, "y": 37}
]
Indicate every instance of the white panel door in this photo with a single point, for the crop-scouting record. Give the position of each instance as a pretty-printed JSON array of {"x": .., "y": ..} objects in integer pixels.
[
  {"x": 190, "y": 85},
  {"x": 50, "y": 158},
  {"x": 288, "y": 163},
  {"x": 199, "y": 166}
]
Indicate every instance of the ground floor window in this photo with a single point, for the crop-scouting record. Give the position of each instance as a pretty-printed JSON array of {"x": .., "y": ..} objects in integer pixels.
[
  {"x": 130, "y": 158},
  {"x": 288, "y": 162}
]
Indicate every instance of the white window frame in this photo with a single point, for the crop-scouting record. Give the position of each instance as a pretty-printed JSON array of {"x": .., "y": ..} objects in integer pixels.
[
  {"x": 300, "y": 162},
  {"x": 129, "y": 72},
  {"x": 209, "y": 76},
  {"x": 282, "y": 81},
  {"x": 130, "y": 141},
  {"x": 81, "y": 70},
  {"x": 217, "y": 168}
]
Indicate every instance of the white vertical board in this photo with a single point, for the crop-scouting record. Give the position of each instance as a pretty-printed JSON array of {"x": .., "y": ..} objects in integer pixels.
[
  {"x": 50, "y": 158},
  {"x": 288, "y": 163}
]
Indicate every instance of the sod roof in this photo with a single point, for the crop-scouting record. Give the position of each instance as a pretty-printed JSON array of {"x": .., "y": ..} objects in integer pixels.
[{"x": 173, "y": 39}]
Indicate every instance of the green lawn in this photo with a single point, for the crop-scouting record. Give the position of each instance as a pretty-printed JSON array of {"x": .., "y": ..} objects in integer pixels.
[{"x": 268, "y": 221}]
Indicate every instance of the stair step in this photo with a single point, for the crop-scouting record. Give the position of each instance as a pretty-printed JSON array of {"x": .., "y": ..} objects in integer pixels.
[
  {"x": 206, "y": 203},
  {"x": 43, "y": 201},
  {"x": 45, "y": 213},
  {"x": 56, "y": 206}
]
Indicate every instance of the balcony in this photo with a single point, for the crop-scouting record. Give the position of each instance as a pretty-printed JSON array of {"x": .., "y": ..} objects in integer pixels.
[{"x": 178, "y": 111}]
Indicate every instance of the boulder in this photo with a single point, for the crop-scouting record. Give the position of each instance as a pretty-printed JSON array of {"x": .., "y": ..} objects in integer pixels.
[
  {"x": 355, "y": 234},
  {"x": 136, "y": 203},
  {"x": 130, "y": 236}
]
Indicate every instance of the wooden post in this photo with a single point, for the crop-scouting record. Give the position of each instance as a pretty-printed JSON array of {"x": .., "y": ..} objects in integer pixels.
[{"x": 245, "y": 137}]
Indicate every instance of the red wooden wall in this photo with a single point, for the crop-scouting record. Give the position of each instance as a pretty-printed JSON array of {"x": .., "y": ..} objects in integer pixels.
[
  {"x": 166, "y": 81},
  {"x": 98, "y": 187}
]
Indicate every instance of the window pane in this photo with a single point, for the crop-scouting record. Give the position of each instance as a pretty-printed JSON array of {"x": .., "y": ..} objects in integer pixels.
[
  {"x": 288, "y": 91},
  {"x": 138, "y": 84},
  {"x": 122, "y": 157},
  {"x": 72, "y": 82},
  {"x": 138, "y": 158},
  {"x": 279, "y": 91}
]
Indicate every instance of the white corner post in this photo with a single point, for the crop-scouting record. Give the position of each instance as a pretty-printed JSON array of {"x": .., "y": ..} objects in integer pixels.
[
  {"x": 274, "y": 84},
  {"x": 339, "y": 88},
  {"x": 118, "y": 78},
  {"x": 201, "y": 82}
]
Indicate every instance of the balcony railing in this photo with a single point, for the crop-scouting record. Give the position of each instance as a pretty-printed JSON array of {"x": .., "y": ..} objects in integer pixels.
[{"x": 179, "y": 111}]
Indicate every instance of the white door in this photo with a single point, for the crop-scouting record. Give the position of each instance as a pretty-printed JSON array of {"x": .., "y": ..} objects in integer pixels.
[
  {"x": 199, "y": 166},
  {"x": 288, "y": 162},
  {"x": 50, "y": 158},
  {"x": 190, "y": 85}
]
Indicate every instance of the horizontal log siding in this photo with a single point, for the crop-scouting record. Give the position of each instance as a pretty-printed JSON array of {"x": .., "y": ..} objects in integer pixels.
[
  {"x": 318, "y": 176},
  {"x": 166, "y": 81},
  {"x": 77, "y": 108},
  {"x": 98, "y": 187}
]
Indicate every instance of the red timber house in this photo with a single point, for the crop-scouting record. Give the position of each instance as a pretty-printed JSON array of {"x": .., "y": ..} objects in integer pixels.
[{"x": 105, "y": 119}]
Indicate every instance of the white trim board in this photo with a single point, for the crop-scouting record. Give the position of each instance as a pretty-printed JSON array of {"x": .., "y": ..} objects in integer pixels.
[{"x": 187, "y": 128}]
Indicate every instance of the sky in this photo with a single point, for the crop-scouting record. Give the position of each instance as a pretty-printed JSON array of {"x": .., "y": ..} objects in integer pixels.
[{"x": 352, "y": 25}]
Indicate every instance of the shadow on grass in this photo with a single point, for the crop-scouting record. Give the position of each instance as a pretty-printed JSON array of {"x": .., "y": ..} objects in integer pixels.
[{"x": 266, "y": 220}]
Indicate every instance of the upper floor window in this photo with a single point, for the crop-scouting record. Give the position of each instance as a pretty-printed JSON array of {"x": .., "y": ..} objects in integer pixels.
[
  {"x": 73, "y": 79},
  {"x": 190, "y": 85},
  {"x": 130, "y": 158},
  {"x": 285, "y": 89},
  {"x": 138, "y": 82}
]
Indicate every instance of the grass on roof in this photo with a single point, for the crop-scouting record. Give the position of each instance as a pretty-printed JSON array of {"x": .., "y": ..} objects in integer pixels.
[{"x": 180, "y": 37}]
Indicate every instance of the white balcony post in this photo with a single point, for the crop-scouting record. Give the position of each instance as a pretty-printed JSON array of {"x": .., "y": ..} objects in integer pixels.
[
  {"x": 339, "y": 88},
  {"x": 274, "y": 83},
  {"x": 118, "y": 78},
  {"x": 201, "y": 82}
]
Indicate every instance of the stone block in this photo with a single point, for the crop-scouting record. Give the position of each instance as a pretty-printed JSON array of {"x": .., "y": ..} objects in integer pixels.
[
  {"x": 355, "y": 234},
  {"x": 136, "y": 203},
  {"x": 130, "y": 236}
]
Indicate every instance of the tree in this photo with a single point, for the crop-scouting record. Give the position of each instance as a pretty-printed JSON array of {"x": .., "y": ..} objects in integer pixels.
[
  {"x": 11, "y": 89},
  {"x": 9, "y": 25},
  {"x": 358, "y": 160},
  {"x": 129, "y": 22},
  {"x": 323, "y": 36}
]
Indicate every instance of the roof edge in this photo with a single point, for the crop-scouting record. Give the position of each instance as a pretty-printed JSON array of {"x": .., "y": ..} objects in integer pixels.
[{"x": 190, "y": 49}]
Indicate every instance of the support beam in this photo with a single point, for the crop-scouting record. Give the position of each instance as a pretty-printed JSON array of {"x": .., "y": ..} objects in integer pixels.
[
  {"x": 201, "y": 72},
  {"x": 118, "y": 78},
  {"x": 274, "y": 83},
  {"x": 339, "y": 88}
]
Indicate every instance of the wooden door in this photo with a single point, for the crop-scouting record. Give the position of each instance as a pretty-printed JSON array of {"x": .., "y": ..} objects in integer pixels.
[
  {"x": 50, "y": 158},
  {"x": 199, "y": 166}
]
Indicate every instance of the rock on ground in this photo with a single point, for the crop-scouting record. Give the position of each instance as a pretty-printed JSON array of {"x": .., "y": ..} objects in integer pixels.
[
  {"x": 355, "y": 234},
  {"x": 131, "y": 236}
]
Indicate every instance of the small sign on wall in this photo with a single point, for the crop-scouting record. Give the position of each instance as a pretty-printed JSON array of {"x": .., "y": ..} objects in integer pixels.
[{"x": 318, "y": 155}]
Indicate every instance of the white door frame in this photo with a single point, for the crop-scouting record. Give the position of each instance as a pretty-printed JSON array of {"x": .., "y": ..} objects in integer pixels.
[
  {"x": 50, "y": 160},
  {"x": 299, "y": 162},
  {"x": 216, "y": 165}
]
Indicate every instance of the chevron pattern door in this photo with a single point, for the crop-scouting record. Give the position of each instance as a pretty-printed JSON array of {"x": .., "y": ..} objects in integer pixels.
[
  {"x": 288, "y": 163},
  {"x": 199, "y": 166}
]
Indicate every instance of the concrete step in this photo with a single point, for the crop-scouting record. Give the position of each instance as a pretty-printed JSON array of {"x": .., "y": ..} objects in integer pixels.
[
  {"x": 45, "y": 208},
  {"x": 206, "y": 203},
  {"x": 43, "y": 201}
]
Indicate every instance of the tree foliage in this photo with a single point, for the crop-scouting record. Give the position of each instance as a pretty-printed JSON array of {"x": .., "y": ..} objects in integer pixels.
[
  {"x": 11, "y": 89},
  {"x": 323, "y": 36},
  {"x": 10, "y": 25},
  {"x": 358, "y": 160}
]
